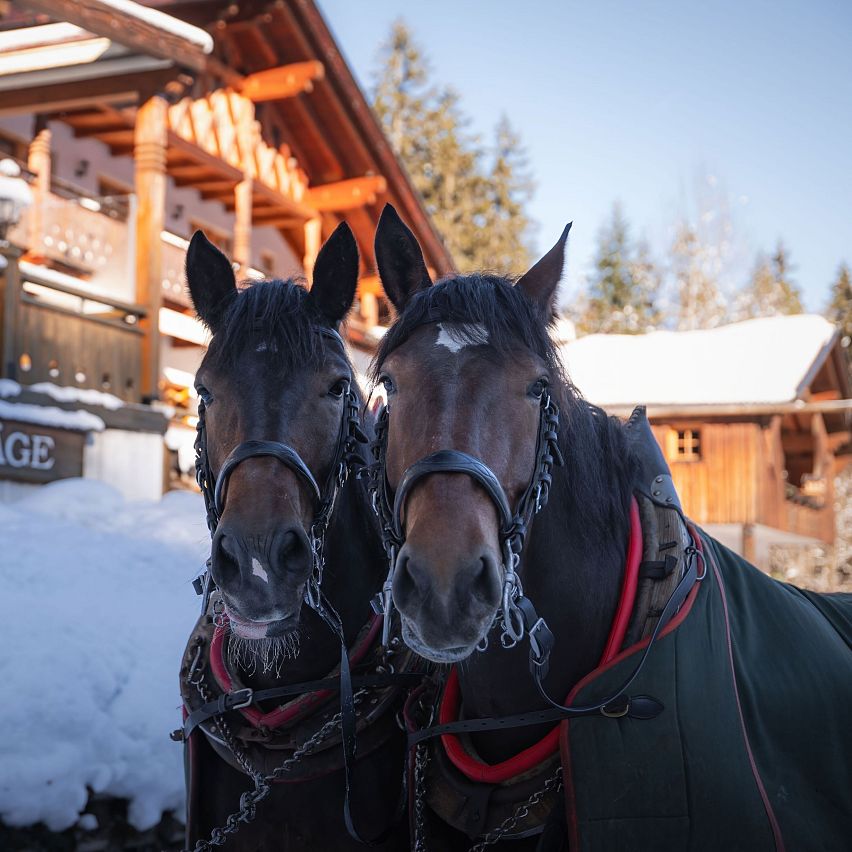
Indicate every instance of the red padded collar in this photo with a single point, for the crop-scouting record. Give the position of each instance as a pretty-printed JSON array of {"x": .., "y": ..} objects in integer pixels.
[
  {"x": 300, "y": 707},
  {"x": 477, "y": 769}
]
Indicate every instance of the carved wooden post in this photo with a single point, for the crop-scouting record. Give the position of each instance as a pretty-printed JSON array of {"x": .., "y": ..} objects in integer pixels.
[
  {"x": 150, "y": 157},
  {"x": 369, "y": 309},
  {"x": 242, "y": 225},
  {"x": 313, "y": 242},
  {"x": 248, "y": 137},
  {"x": 38, "y": 161}
]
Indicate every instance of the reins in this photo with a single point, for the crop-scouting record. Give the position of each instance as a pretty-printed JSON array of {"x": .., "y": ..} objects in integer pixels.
[{"x": 214, "y": 492}]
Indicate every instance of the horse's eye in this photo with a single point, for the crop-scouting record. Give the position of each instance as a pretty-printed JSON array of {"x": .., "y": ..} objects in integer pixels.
[
  {"x": 339, "y": 388},
  {"x": 538, "y": 387},
  {"x": 388, "y": 384},
  {"x": 204, "y": 394}
]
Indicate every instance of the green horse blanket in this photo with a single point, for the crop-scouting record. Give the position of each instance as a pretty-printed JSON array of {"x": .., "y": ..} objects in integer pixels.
[{"x": 753, "y": 750}]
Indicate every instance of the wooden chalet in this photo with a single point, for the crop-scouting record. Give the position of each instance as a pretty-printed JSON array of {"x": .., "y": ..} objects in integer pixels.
[
  {"x": 754, "y": 419},
  {"x": 136, "y": 123}
]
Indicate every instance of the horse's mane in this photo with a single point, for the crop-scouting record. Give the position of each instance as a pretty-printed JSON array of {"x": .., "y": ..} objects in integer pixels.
[
  {"x": 277, "y": 315},
  {"x": 600, "y": 470}
]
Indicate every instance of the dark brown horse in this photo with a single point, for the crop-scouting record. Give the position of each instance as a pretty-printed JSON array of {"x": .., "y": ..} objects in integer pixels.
[
  {"x": 295, "y": 544},
  {"x": 483, "y": 428}
]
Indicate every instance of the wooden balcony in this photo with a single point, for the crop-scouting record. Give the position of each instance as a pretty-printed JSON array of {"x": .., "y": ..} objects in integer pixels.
[
  {"x": 84, "y": 236},
  {"x": 66, "y": 335}
]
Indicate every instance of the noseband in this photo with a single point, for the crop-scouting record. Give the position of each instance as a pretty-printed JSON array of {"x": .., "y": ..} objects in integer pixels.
[
  {"x": 513, "y": 525},
  {"x": 215, "y": 488}
]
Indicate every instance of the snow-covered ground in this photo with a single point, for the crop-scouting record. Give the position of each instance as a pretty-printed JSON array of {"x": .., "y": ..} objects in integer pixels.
[{"x": 97, "y": 605}]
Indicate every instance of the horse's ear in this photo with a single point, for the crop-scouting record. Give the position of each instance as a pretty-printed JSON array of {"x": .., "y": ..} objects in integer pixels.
[
  {"x": 211, "y": 281},
  {"x": 400, "y": 259},
  {"x": 542, "y": 279},
  {"x": 336, "y": 274}
]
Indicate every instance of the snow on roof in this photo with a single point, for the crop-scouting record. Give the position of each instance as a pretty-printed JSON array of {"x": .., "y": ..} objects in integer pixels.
[
  {"x": 164, "y": 22},
  {"x": 88, "y": 396},
  {"x": 48, "y": 415},
  {"x": 96, "y": 592},
  {"x": 756, "y": 361}
]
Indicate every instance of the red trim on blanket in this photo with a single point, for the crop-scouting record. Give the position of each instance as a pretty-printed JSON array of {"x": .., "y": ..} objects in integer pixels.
[
  {"x": 477, "y": 769},
  {"x": 770, "y": 813},
  {"x": 564, "y": 733},
  {"x": 301, "y": 706}
]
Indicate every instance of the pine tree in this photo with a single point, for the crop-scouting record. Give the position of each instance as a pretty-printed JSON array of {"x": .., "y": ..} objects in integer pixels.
[
  {"x": 509, "y": 189},
  {"x": 622, "y": 289},
  {"x": 771, "y": 292},
  {"x": 840, "y": 306},
  {"x": 694, "y": 266},
  {"x": 478, "y": 211}
]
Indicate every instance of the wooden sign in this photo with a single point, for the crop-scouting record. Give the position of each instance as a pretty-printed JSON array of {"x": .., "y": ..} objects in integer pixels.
[{"x": 30, "y": 452}]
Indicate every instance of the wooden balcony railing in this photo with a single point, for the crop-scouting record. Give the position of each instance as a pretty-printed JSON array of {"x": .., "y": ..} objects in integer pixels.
[{"x": 66, "y": 335}]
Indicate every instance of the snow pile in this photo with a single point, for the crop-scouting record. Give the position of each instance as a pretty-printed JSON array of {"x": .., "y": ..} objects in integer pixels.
[
  {"x": 9, "y": 388},
  {"x": 97, "y": 607},
  {"x": 51, "y": 416},
  {"x": 88, "y": 396},
  {"x": 757, "y": 361}
]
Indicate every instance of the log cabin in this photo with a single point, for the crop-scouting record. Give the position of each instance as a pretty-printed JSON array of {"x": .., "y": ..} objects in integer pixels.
[
  {"x": 754, "y": 419},
  {"x": 132, "y": 125}
]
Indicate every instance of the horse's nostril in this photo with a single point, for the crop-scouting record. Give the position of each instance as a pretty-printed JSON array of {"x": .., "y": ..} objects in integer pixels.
[
  {"x": 485, "y": 580},
  {"x": 291, "y": 551},
  {"x": 226, "y": 559}
]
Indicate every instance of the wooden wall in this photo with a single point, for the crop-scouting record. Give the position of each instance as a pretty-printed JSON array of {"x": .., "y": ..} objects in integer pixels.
[
  {"x": 720, "y": 487},
  {"x": 739, "y": 477}
]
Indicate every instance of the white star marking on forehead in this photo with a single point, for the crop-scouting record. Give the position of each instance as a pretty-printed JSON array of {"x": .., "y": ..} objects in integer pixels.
[{"x": 456, "y": 336}]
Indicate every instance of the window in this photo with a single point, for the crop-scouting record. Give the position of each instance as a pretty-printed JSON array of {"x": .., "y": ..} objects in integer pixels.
[
  {"x": 683, "y": 444},
  {"x": 688, "y": 445}
]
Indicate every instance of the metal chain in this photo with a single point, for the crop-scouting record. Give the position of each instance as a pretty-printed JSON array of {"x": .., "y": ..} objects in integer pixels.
[
  {"x": 262, "y": 783},
  {"x": 554, "y": 783},
  {"x": 421, "y": 761}
]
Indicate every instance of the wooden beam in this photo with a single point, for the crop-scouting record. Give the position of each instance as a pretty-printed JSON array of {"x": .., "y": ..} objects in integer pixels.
[
  {"x": 150, "y": 161},
  {"x": 191, "y": 154},
  {"x": 285, "y": 81},
  {"x": 139, "y": 33},
  {"x": 800, "y": 442},
  {"x": 216, "y": 190},
  {"x": 346, "y": 194},
  {"x": 191, "y": 175},
  {"x": 106, "y": 126},
  {"x": 313, "y": 243},
  {"x": 242, "y": 223},
  {"x": 276, "y": 220},
  {"x": 370, "y": 284},
  {"x": 67, "y": 96}
]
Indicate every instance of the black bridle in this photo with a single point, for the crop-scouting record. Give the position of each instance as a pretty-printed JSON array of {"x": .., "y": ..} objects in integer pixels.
[
  {"x": 513, "y": 524},
  {"x": 214, "y": 490},
  {"x": 517, "y": 614}
]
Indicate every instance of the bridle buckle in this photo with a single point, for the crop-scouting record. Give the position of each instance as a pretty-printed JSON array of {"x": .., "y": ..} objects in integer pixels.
[{"x": 246, "y": 696}]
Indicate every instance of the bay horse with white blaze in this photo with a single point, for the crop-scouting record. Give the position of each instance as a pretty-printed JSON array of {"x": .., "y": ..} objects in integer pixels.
[
  {"x": 270, "y": 758},
  {"x": 614, "y": 679}
]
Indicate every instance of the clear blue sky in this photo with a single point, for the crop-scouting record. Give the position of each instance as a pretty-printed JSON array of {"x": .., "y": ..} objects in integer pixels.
[{"x": 635, "y": 102}]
